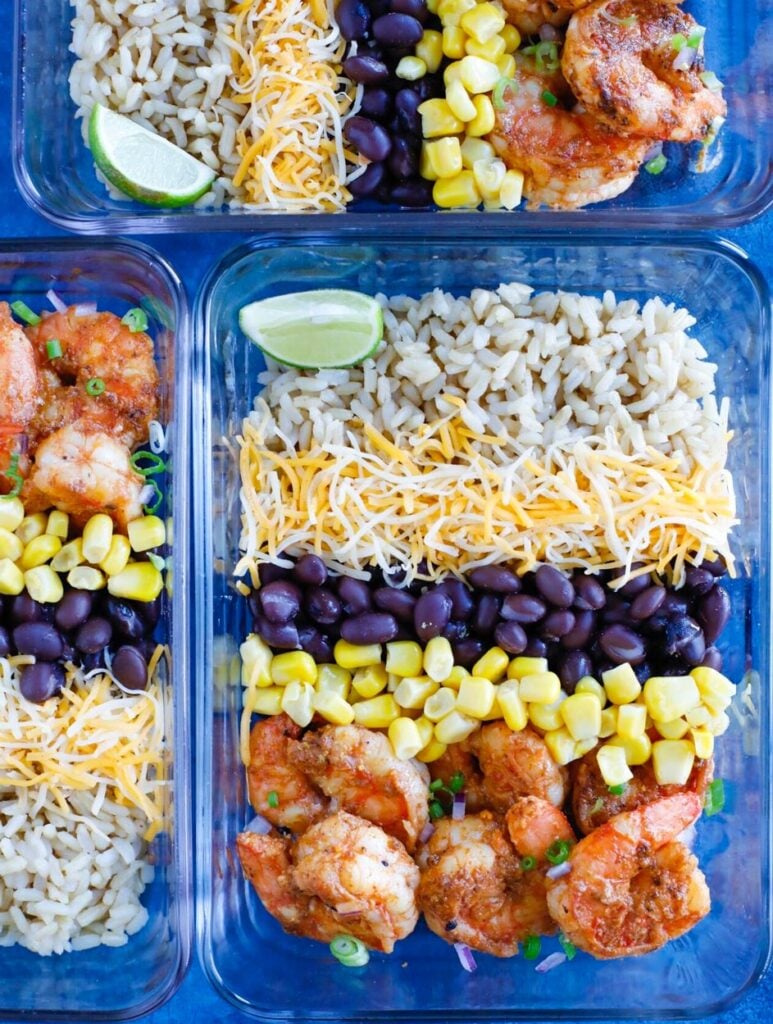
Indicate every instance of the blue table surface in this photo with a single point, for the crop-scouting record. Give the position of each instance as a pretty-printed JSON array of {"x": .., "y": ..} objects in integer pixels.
[{"x": 196, "y": 1000}]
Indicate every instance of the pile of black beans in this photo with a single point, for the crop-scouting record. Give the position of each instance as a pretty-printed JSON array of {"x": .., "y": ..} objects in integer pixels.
[
  {"x": 87, "y": 628},
  {"x": 579, "y": 622},
  {"x": 387, "y": 129}
]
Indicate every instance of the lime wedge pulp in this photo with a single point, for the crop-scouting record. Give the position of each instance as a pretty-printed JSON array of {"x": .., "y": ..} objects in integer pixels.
[
  {"x": 315, "y": 330},
  {"x": 144, "y": 165}
]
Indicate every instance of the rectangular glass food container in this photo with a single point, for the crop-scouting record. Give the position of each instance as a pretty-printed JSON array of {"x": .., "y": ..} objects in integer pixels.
[
  {"x": 119, "y": 983},
  {"x": 245, "y": 953},
  {"x": 55, "y": 172}
]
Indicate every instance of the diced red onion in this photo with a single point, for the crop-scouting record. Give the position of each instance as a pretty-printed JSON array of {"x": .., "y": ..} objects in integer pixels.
[
  {"x": 554, "y": 960},
  {"x": 559, "y": 870},
  {"x": 685, "y": 59},
  {"x": 147, "y": 494},
  {"x": 427, "y": 832},
  {"x": 55, "y": 301},
  {"x": 466, "y": 957},
  {"x": 655, "y": 150},
  {"x": 23, "y": 443},
  {"x": 259, "y": 826},
  {"x": 549, "y": 33},
  {"x": 85, "y": 308},
  {"x": 459, "y": 806},
  {"x": 156, "y": 437}
]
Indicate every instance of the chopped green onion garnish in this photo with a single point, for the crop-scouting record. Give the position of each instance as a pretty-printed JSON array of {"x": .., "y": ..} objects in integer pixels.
[
  {"x": 696, "y": 37},
  {"x": 158, "y": 497},
  {"x": 498, "y": 95},
  {"x": 435, "y": 785},
  {"x": 597, "y": 805},
  {"x": 531, "y": 947},
  {"x": 678, "y": 42},
  {"x": 549, "y": 98},
  {"x": 95, "y": 386},
  {"x": 456, "y": 785},
  {"x": 53, "y": 348},
  {"x": 136, "y": 320},
  {"x": 568, "y": 947},
  {"x": 349, "y": 951},
  {"x": 711, "y": 81},
  {"x": 546, "y": 56},
  {"x": 714, "y": 800},
  {"x": 528, "y": 863},
  {"x": 558, "y": 851},
  {"x": 273, "y": 799},
  {"x": 656, "y": 165},
  {"x": 12, "y": 473},
  {"x": 618, "y": 790},
  {"x": 147, "y": 463},
  {"x": 436, "y": 810},
  {"x": 156, "y": 560},
  {"x": 23, "y": 311}
]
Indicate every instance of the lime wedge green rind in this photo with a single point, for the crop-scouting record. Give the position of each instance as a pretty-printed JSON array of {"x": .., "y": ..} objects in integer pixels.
[
  {"x": 142, "y": 164},
  {"x": 327, "y": 328}
]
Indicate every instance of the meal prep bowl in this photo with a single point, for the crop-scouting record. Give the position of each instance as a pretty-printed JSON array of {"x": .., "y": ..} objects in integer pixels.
[
  {"x": 118, "y": 983},
  {"x": 55, "y": 172},
  {"x": 245, "y": 953}
]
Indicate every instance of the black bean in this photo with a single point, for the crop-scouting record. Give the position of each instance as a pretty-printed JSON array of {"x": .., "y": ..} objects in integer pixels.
[
  {"x": 616, "y": 610},
  {"x": 642, "y": 671},
  {"x": 699, "y": 581},
  {"x": 679, "y": 631},
  {"x": 316, "y": 644},
  {"x": 150, "y": 611},
  {"x": 407, "y": 103},
  {"x": 369, "y": 628},
  {"x": 310, "y": 571},
  {"x": 366, "y": 70},
  {"x": 283, "y": 636},
  {"x": 716, "y": 566},
  {"x": 523, "y": 608},
  {"x": 462, "y": 602},
  {"x": 580, "y": 633},
  {"x": 694, "y": 650},
  {"x": 655, "y": 624},
  {"x": 511, "y": 637},
  {"x": 431, "y": 614},
  {"x": 635, "y": 586},
  {"x": 130, "y": 668},
  {"x": 621, "y": 644},
  {"x": 377, "y": 103},
  {"x": 714, "y": 612},
  {"x": 24, "y": 609},
  {"x": 323, "y": 606},
  {"x": 486, "y": 614},
  {"x": 415, "y": 193},
  {"x": 403, "y": 161},
  {"x": 646, "y": 603},
  {"x": 396, "y": 601},
  {"x": 41, "y": 681},
  {"x": 675, "y": 667},
  {"x": 280, "y": 601},
  {"x": 124, "y": 617},
  {"x": 557, "y": 624},
  {"x": 354, "y": 19},
  {"x": 355, "y": 595},
  {"x": 589, "y": 594},
  {"x": 572, "y": 667},
  {"x": 372, "y": 141},
  {"x": 268, "y": 572},
  {"x": 456, "y": 630},
  {"x": 91, "y": 661},
  {"x": 554, "y": 586},
  {"x": 5, "y": 642},
  {"x": 416, "y": 8},
  {"x": 673, "y": 605},
  {"x": 467, "y": 652},
  {"x": 495, "y": 578},
  {"x": 397, "y": 30},
  {"x": 369, "y": 181},
  {"x": 712, "y": 659},
  {"x": 94, "y": 635},
  {"x": 40, "y": 639},
  {"x": 535, "y": 648},
  {"x": 74, "y": 608},
  {"x": 383, "y": 194}
]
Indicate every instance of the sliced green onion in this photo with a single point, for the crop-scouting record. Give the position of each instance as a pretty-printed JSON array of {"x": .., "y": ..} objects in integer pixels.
[
  {"x": 678, "y": 42},
  {"x": 711, "y": 81},
  {"x": 155, "y": 464},
  {"x": 456, "y": 785},
  {"x": 157, "y": 499},
  {"x": 23, "y": 311},
  {"x": 528, "y": 863},
  {"x": 349, "y": 951},
  {"x": 714, "y": 800},
  {"x": 597, "y": 805},
  {"x": 531, "y": 947},
  {"x": 498, "y": 95},
  {"x": 624, "y": 22},
  {"x": 656, "y": 165},
  {"x": 435, "y": 785},
  {"x": 12, "y": 473},
  {"x": 157, "y": 560},
  {"x": 95, "y": 386},
  {"x": 273, "y": 799},
  {"x": 545, "y": 55},
  {"x": 549, "y": 98},
  {"x": 435, "y": 810},
  {"x": 568, "y": 947},
  {"x": 558, "y": 851},
  {"x": 53, "y": 348},
  {"x": 136, "y": 320},
  {"x": 618, "y": 790},
  {"x": 696, "y": 37}
]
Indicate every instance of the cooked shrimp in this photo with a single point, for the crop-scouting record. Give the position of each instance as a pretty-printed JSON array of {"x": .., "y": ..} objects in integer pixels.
[
  {"x": 568, "y": 159},
  {"x": 593, "y": 804},
  {"x": 83, "y": 471},
  {"x": 534, "y": 825},
  {"x": 623, "y": 71},
  {"x": 99, "y": 346},
  {"x": 529, "y": 16},
  {"x": 631, "y": 887},
  {"x": 298, "y": 803},
  {"x": 357, "y": 768},
  {"x": 517, "y": 764},
  {"x": 344, "y": 875},
  {"x": 63, "y": 404},
  {"x": 460, "y": 759},
  {"x": 19, "y": 386}
]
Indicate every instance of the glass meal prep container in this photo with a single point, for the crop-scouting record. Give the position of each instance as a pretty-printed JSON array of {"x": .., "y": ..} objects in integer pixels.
[
  {"x": 47, "y": 139},
  {"x": 117, "y": 983},
  {"x": 245, "y": 953}
]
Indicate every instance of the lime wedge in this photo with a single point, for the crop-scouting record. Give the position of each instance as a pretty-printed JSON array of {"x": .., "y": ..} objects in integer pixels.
[
  {"x": 315, "y": 330},
  {"x": 142, "y": 164}
]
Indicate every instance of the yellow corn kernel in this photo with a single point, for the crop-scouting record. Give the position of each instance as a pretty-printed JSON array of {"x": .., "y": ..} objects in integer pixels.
[
  {"x": 12, "y": 512},
  {"x": 405, "y": 738},
  {"x": 440, "y": 704},
  {"x": 268, "y": 701},
  {"x": 256, "y": 661},
  {"x": 483, "y": 21},
  {"x": 638, "y": 749},
  {"x": 719, "y": 724},
  {"x": 453, "y": 193},
  {"x": 560, "y": 745},
  {"x": 333, "y": 679},
  {"x": 476, "y": 696},
  {"x": 351, "y": 656},
  {"x": 117, "y": 556},
  {"x": 541, "y": 688},
  {"x": 608, "y": 721},
  {"x": 453, "y": 42},
  {"x": 489, "y": 175},
  {"x": 455, "y": 677},
  {"x": 698, "y": 717},
  {"x": 621, "y": 684},
  {"x": 333, "y": 707},
  {"x": 97, "y": 535},
  {"x": 404, "y": 658},
  {"x": 669, "y": 697},
  {"x": 524, "y": 666},
  {"x": 703, "y": 742},
  {"x": 86, "y": 577},
  {"x": 492, "y": 49},
  {"x": 445, "y": 157},
  {"x": 425, "y": 167},
  {"x": 432, "y": 751},
  {"x": 460, "y": 102},
  {"x": 715, "y": 689},
  {"x": 139, "y": 581},
  {"x": 582, "y": 747},
  {"x": 378, "y": 712},
  {"x": 413, "y": 691},
  {"x": 430, "y": 49},
  {"x": 11, "y": 577},
  {"x": 437, "y": 119},
  {"x": 477, "y": 149},
  {"x": 293, "y": 666},
  {"x": 455, "y": 727},
  {"x": 478, "y": 76},
  {"x": 512, "y": 38},
  {"x": 10, "y": 545},
  {"x": 673, "y": 730},
  {"x": 438, "y": 659},
  {"x": 68, "y": 556},
  {"x": 298, "y": 702},
  {"x": 496, "y": 711},
  {"x": 370, "y": 680},
  {"x": 393, "y": 682},
  {"x": 512, "y": 707},
  {"x": 546, "y": 716},
  {"x": 511, "y": 193},
  {"x": 58, "y": 524},
  {"x": 492, "y": 665},
  {"x": 582, "y": 715},
  {"x": 672, "y": 761},
  {"x": 411, "y": 69},
  {"x": 483, "y": 122},
  {"x": 452, "y": 73},
  {"x": 39, "y": 551},
  {"x": 426, "y": 729},
  {"x": 590, "y": 685},
  {"x": 612, "y": 765},
  {"x": 506, "y": 65},
  {"x": 31, "y": 527},
  {"x": 631, "y": 720},
  {"x": 432, "y": 6},
  {"x": 450, "y": 12},
  {"x": 145, "y": 534},
  {"x": 43, "y": 584}
]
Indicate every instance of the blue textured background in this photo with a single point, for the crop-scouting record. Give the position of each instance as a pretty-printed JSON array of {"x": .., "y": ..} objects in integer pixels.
[{"x": 192, "y": 256}]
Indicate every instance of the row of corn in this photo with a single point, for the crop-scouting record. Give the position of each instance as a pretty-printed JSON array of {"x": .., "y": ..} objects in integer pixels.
[
  {"x": 426, "y": 702},
  {"x": 35, "y": 554}
]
